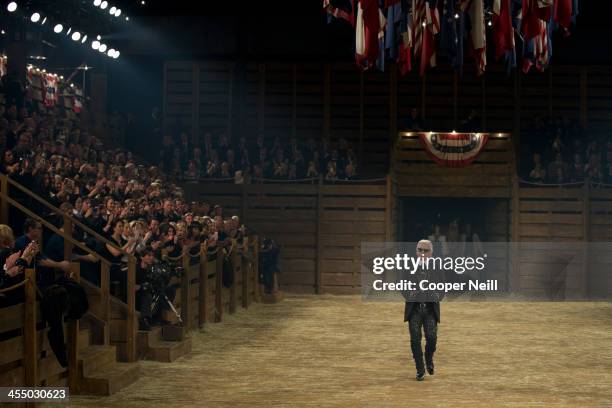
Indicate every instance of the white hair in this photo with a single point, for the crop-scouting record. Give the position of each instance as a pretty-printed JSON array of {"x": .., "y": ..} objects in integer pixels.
[{"x": 426, "y": 242}]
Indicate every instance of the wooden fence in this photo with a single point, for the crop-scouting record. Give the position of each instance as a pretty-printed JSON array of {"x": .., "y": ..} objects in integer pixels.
[{"x": 318, "y": 227}]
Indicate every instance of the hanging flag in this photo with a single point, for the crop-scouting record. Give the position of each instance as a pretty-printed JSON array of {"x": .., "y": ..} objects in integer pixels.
[
  {"x": 77, "y": 102},
  {"x": 426, "y": 25},
  {"x": 392, "y": 34},
  {"x": 369, "y": 27},
  {"x": 344, "y": 10},
  {"x": 563, "y": 14},
  {"x": 478, "y": 35},
  {"x": 453, "y": 149},
  {"x": 405, "y": 49},
  {"x": 503, "y": 32},
  {"x": 451, "y": 35},
  {"x": 2, "y": 66},
  {"x": 50, "y": 89}
]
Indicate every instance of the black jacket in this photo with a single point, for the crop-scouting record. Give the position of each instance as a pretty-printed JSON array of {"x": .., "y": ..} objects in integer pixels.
[{"x": 415, "y": 297}]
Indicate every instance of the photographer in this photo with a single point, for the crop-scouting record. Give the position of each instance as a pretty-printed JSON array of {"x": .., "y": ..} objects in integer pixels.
[
  {"x": 153, "y": 289},
  {"x": 269, "y": 252}
]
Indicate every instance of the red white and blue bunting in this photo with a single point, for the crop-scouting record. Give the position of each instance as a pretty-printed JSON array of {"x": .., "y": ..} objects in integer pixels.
[{"x": 453, "y": 149}]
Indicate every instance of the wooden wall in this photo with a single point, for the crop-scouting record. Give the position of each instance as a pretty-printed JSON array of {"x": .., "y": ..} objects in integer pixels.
[
  {"x": 318, "y": 227},
  {"x": 314, "y": 99}
]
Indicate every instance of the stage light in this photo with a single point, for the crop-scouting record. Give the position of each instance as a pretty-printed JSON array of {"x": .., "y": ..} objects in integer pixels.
[
  {"x": 35, "y": 17},
  {"x": 111, "y": 52},
  {"x": 490, "y": 23},
  {"x": 58, "y": 28},
  {"x": 456, "y": 16},
  {"x": 118, "y": 12},
  {"x": 44, "y": 21},
  {"x": 127, "y": 18},
  {"x": 76, "y": 36},
  {"x": 95, "y": 44},
  {"x": 97, "y": 3},
  {"x": 104, "y": 5},
  {"x": 84, "y": 39},
  {"x": 99, "y": 37},
  {"x": 117, "y": 53},
  {"x": 69, "y": 31},
  {"x": 112, "y": 10},
  {"x": 102, "y": 48},
  {"x": 12, "y": 6},
  {"x": 143, "y": 2},
  {"x": 2, "y": 32}
]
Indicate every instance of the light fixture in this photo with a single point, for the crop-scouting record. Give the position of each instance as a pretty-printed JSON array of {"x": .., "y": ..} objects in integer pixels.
[
  {"x": 3, "y": 32},
  {"x": 35, "y": 17},
  {"x": 127, "y": 18},
  {"x": 58, "y": 28},
  {"x": 97, "y": 3},
  {"x": 457, "y": 16},
  {"x": 112, "y": 10},
  {"x": 84, "y": 39},
  {"x": 102, "y": 48},
  {"x": 111, "y": 52},
  {"x": 490, "y": 23},
  {"x": 117, "y": 53},
  {"x": 143, "y": 2},
  {"x": 118, "y": 12},
  {"x": 76, "y": 36},
  {"x": 12, "y": 6},
  {"x": 44, "y": 21},
  {"x": 104, "y": 5},
  {"x": 95, "y": 44},
  {"x": 99, "y": 37}
]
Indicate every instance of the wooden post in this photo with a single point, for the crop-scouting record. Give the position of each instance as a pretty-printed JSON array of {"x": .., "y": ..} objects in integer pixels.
[
  {"x": 584, "y": 76},
  {"x": 230, "y": 103},
  {"x": 256, "y": 292},
  {"x": 361, "y": 114},
  {"x": 319, "y": 270},
  {"x": 4, "y": 207},
  {"x": 219, "y": 285},
  {"x": 515, "y": 277},
  {"x": 327, "y": 102},
  {"x": 105, "y": 299},
  {"x": 30, "y": 352},
  {"x": 68, "y": 230},
  {"x": 516, "y": 134},
  {"x": 586, "y": 236},
  {"x": 73, "y": 340},
  {"x": 392, "y": 102},
  {"x": 235, "y": 263},
  {"x": 261, "y": 99},
  {"x": 388, "y": 208},
  {"x": 294, "y": 103},
  {"x": 423, "y": 94},
  {"x": 455, "y": 99},
  {"x": 244, "y": 268},
  {"x": 203, "y": 300},
  {"x": 195, "y": 100},
  {"x": 131, "y": 324},
  {"x": 185, "y": 292}
]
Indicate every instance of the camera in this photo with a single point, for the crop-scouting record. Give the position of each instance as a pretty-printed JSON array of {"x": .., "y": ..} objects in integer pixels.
[{"x": 159, "y": 275}]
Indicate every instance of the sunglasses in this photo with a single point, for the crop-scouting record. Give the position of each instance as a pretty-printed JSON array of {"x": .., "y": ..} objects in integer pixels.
[{"x": 423, "y": 250}]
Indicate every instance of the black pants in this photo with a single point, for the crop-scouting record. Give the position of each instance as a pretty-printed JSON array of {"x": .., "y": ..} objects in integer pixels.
[
  {"x": 144, "y": 302},
  {"x": 422, "y": 316}
]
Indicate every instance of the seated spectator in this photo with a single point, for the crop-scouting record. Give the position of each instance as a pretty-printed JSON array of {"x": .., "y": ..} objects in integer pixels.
[
  {"x": 12, "y": 265},
  {"x": 537, "y": 174},
  {"x": 577, "y": 169},
  {"x": 414, "y": 122},
  {"x": 557, "y": 171}
]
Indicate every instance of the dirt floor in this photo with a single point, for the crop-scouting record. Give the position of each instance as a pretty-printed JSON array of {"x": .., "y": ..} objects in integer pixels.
[{"x": 339, "y": 351}]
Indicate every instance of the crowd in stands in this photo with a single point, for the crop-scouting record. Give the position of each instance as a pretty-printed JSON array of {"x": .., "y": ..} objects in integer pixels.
[
  {"x": 138, "y": 208},
  {"x": 560, "y": 152},
  {"x": 254, "y": 161}
]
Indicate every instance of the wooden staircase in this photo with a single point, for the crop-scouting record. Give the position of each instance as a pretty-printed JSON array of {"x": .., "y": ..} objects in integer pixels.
[
  {"x": 153, "y": 346},
  {"x": 99, "y": 371}
]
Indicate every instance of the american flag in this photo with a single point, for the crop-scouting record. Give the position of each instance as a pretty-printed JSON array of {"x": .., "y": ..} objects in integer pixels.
[{"x": 426, "y": 24}]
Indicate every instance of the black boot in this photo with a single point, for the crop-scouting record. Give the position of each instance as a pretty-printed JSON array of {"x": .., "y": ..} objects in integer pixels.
[
  {"x": 420, "y": 367},
  {"x": 429, "y": 363}
]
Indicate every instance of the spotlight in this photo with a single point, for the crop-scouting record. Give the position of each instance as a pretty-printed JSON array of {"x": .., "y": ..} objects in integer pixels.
[
  {"x": 35, "y": 18},
  {"x": 112, "y": 10},
  {"x": 111, "y": 52},
  {"x": 490, "y": 23},
  {"x": 12, "y": 6},
  {"x": 127, "y": 18},
  {"x": 99, "y": 37},
  {"x": 118, "y": 12},
  {"x": 104, "y": 5},
  {"x": 97, "y": 3},
  {"x": 84, "y": 39},
  {"x": 95, "y": 44},
  {"x": 58, "y": 28},
  {"x": 76, "y": 36},
  {"x": 3, "y": 32},
  {"x": 456, "y": 16},
  {"x": 102, "y": 48},
  {"x": 44, "y": 21},
  {"x": 143, "y": 2},
  {"x": 117, "y": 53}
]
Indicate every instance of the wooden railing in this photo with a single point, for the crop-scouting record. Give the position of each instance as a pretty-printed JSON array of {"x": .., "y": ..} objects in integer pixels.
[{"x": 8, "y": 187}]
